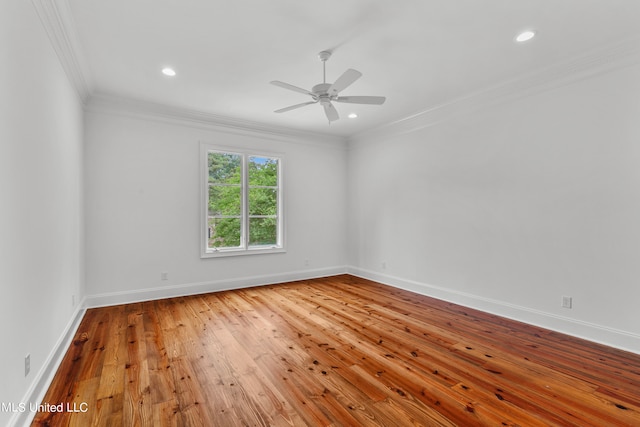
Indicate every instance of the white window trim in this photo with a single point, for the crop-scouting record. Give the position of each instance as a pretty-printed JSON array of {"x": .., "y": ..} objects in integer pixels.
[{"x": 206, "y": 252}]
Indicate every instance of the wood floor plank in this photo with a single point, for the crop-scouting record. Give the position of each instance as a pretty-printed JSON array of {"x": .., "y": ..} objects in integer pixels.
[{"x": 336, "y": 351}]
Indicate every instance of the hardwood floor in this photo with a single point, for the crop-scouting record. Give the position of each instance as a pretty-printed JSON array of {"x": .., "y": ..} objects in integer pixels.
[{"x": 339, "y": 351}]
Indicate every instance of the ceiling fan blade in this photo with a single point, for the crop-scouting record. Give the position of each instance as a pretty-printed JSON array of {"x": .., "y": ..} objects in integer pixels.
[
  {"x": 293, "y": 107},
  {"x": 344, "y": 81},
  {"x": 373, "y": 100},
  {"x": 291, "y": 87},
  {"x": 331, "y": 112}
]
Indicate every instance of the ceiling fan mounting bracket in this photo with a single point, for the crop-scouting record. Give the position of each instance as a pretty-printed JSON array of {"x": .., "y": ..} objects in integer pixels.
[{"x": 324, "y": 55}]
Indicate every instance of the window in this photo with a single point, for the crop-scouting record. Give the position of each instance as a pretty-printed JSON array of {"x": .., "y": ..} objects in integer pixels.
[{"x": 243, "y": 203}]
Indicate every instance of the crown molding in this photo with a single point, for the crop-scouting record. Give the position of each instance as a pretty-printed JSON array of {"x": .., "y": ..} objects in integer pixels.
[
  {"x": 59, "y": 25},
  {"x": 573, "y": 70},
  {"x": 140, "y": 109},
  {"x": 56, "y": 18}
]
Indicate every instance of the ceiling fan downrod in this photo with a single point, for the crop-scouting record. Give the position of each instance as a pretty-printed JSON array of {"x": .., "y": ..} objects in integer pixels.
[{"x": 324, "y": 56}]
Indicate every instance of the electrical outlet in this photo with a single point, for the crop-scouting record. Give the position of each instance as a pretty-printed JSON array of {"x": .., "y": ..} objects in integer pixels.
[
  {"x": 164, "y": 276},
  {"x": 567, "y": 302},
  {"x": 384, "y": 265},
  {"x": 27, "y": 364},
  {"x": 73, "y": 301},
  {"x": 306, "y": 262}
]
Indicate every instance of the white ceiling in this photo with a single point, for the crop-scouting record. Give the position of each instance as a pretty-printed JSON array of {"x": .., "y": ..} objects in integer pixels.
[{"x": 418, "y": 53}]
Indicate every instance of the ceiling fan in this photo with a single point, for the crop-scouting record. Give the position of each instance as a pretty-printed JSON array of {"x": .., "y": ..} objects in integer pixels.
[{"x": 324, "y": 93}]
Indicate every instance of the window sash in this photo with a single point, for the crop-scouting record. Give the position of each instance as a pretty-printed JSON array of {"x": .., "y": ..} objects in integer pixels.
[{"x": 271, "y": 233}]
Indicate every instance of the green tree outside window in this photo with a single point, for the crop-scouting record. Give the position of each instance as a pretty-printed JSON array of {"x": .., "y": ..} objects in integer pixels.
[{"x": 226, "y": 210}]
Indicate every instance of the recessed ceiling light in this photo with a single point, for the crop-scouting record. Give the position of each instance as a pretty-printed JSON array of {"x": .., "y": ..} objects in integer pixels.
[
  {"x": 167, "y": 71},
  {"x": 525, "y": 35},
  {"x": 352, "y": 115}
]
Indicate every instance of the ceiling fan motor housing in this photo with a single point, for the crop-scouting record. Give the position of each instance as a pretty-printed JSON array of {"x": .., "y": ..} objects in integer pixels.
[{"x": 321, "y": 92}]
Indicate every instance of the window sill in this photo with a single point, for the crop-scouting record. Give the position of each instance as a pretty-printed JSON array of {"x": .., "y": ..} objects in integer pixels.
[{"x": 241, "y": 252}]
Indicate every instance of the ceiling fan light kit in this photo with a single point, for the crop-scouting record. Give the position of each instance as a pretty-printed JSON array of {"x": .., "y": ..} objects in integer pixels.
[{"x": 324, "y": 93}]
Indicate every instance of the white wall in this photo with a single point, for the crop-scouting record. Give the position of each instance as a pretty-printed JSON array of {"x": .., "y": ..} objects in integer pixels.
[
  {"x": 510, "y": 207},
  {"x": 506, "y": 209},
  {"x": 143, "y": 209},
  {"x": 40, "y": 200}
]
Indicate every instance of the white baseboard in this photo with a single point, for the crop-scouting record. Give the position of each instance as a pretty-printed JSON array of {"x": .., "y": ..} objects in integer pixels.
[
  {"x": 116, "y": 298},
  {"x": 623, "y": 340},
  {"x": 589, "y": 331},
  {"x": 44, "y": 377}
]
